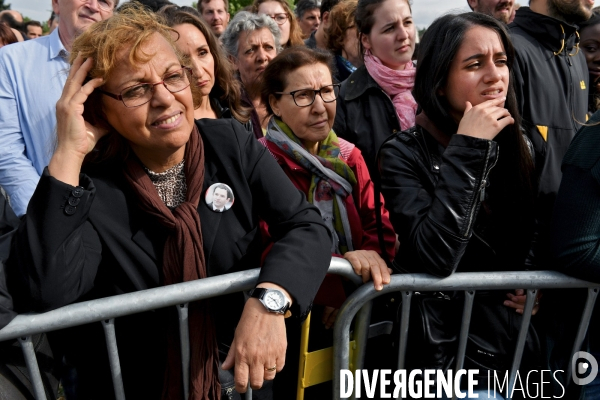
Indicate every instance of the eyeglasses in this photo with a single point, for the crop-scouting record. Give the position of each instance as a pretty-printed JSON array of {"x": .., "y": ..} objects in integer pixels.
[
  {"x": 279, "y": 18},
  {"x": 305, "y": 97},
  {"x": 104, "y": 5},
  {"x": 140, "y": 94}
]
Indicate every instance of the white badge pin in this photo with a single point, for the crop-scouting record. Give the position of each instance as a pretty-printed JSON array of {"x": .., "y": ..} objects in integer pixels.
[{"x": 219, "y": 197}]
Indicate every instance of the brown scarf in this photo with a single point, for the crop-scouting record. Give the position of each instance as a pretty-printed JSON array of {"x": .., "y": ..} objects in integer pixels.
[{"x": 183, "y": 261}]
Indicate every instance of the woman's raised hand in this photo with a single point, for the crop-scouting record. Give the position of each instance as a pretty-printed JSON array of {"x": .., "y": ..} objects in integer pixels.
[
  {"x": 485, "y": 120},
  {"x": 76, "y": 137}
]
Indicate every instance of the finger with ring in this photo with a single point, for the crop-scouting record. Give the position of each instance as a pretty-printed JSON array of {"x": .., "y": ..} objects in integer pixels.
[{"x": 271, "y": 369}]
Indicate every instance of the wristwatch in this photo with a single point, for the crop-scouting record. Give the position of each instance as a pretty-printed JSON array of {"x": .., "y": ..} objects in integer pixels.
[{"x": 274, "y": 300}]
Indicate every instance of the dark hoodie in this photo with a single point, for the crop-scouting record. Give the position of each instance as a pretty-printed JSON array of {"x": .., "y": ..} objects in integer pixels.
[{"x": 551, "y": 80}]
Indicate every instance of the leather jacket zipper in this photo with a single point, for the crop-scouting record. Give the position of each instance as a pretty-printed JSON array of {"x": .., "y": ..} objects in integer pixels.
[{"x": 481, "y": 190}]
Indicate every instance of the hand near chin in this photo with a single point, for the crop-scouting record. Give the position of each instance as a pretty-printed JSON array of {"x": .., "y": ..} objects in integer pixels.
[
  {"x": 485, "y": 120},
  {"x": 76, "y": 137}
]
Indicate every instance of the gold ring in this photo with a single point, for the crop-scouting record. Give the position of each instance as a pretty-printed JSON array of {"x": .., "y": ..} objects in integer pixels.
[{"x": 271, "y": 369}]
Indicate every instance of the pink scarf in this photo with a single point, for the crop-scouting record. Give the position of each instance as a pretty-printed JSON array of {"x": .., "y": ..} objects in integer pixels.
[{"x": 398, "y": 85}]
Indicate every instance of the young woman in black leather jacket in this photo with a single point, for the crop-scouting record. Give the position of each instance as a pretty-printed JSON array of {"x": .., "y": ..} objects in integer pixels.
[{"x": 459, "y": 184}]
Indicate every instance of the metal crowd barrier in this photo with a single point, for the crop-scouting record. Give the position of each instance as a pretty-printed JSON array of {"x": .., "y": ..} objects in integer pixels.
[
  {"x": 469, "y": 283},
  {"x": 107, "y": 309}
]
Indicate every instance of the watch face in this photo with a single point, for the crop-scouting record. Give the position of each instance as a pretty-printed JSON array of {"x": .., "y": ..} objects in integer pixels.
[{"x": 274, "y": 300}]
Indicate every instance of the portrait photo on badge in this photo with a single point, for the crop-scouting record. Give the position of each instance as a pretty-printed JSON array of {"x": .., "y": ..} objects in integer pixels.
[{"x": 219, "y": 197}]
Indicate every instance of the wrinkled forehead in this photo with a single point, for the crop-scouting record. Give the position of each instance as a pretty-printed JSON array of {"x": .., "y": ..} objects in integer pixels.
[{"x": 257, "y": 37}]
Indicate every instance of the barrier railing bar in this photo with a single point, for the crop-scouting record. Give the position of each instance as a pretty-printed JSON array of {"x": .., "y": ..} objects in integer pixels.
[
  {"x": 25, "y": 325},
  {"x": 184, "y": 342},
  {"x": 32, "y": 366},
  {"x": 248, "y": 393},
  {"x": 113, "y": 357},
  {"x": 424, "y": 282},
  {"x": 146, "y": 300},
  {"x": 583, "y": 325},
  {"x": 464, "y": 331},
  {"x": 521, "y": 339}
]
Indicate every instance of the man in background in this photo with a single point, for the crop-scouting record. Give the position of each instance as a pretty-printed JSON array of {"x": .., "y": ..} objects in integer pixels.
[
  {"x": 317, "y": 38},
  {"x": 309, "y": 16},
  {"x": 499, "y": 9},
  {"x": 32, "y": 76},
  {"x": 33, "y": 29},
  {"x": 551, "y": 82},
  {"x": 216, "y": 14}
]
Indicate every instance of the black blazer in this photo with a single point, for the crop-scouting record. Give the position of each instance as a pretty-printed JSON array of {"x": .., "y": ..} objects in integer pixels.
[{"x": 104, "y": 245}]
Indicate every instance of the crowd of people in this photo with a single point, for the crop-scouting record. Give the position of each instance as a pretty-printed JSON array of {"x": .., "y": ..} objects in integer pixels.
[{"x": 146, "y": 144}]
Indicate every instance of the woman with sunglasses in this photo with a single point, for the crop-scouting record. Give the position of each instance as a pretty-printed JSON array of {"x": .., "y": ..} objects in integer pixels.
[
  {"x": 300, "y": 95},
  {"x": 280, "y": 11},
  {"x": 126, "y": 204}
]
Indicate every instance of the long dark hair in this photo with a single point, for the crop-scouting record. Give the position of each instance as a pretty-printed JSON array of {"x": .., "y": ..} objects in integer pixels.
[
  {"x": 226, "y": 88},
  {"x": 512, "y": 179}
]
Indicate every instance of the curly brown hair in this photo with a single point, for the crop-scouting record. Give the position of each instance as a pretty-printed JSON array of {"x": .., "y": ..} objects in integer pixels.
[
  {"x": 226, "y": 88},
  {"x": 295, "y": 31},
  {"x": 342, "y": 19},
  {"x": 104, "y": 42}
]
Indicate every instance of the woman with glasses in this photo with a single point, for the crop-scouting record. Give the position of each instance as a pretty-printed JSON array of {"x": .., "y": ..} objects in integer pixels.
[
  {"x": 300, "y": 96},
  {"x": 212, "y": 71},
  {"x": 125, "y": 205},
  {"x": 280, "y": 11}
]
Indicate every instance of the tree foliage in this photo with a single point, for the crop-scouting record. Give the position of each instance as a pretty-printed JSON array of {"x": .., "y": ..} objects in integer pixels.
[{"x": 4, "y": 6}]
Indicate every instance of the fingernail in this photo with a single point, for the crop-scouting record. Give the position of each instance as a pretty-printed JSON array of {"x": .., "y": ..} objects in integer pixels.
[
  {"x": 379, "y": 287},
  {"x": 506, "y": 303}
]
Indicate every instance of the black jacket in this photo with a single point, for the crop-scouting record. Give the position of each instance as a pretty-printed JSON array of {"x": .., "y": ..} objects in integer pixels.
[
  {"x": 365, "y": 116},
  {"x": 107, "y": 246},
  {"x": 551, "y": 79},
  {"x": 8, "y": 226},
  {"x": 438, "y": 203},
  {"x": 434, "y": 196}
]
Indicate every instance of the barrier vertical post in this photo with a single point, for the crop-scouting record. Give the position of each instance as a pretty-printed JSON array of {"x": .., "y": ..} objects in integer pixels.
[
  {"x": 531, "y": 296},
  {"x": 583, "y": 326},
  {"x": 32, "y": 367},
  {"x": 113, "y": 357},
  {"x": 184, "y": 343}
]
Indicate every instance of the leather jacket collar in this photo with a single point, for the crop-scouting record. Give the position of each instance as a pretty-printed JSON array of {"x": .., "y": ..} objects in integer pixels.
[{"x": 547, "y": 30}]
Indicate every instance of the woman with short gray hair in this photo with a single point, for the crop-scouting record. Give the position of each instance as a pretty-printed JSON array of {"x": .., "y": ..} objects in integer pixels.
[{"x": 251, "y": 42}]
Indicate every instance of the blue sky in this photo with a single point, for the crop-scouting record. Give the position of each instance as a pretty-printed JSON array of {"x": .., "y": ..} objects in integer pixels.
[{"x": 424, "y": 11}]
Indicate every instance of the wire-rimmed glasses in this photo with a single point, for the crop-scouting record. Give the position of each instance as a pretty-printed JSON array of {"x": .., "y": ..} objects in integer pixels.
[
  {"x": 140, "y": 94},
  {"x": 305, "y": 97},
  {"x": 280, "y": 18}
]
